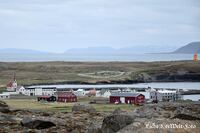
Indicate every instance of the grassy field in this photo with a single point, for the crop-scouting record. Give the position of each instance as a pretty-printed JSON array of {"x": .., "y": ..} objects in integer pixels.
[
  {"x": 62, "y": 107},
  {"x": 57, "y": 72}
]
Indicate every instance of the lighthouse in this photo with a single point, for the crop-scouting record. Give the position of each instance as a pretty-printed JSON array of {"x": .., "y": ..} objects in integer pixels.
[{"x": 195, "y": 57}]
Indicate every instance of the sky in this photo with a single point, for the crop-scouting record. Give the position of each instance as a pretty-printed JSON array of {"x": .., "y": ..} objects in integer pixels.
[{"x": 58, "y": 25}]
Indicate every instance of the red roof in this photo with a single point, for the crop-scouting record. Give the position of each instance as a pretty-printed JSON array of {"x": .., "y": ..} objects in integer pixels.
[
  {"x": 10, "y": 84},
  {"x": 66, "y": 94}
]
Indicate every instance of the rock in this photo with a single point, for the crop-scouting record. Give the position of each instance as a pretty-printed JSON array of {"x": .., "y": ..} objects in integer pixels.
[
  {"x": 117, "y": 111},
  {"x": 4, "y": 107},
  {"x": 3, "y": 104},
  {"x": 94, "y": 128},
  {"x": 114, "y": 123},
  {"x": 166, "y": 114},
  {"x": 148, "y": 111},
  {"x": 185, "y": 114},
  {"x": 83, "y": 108},
  {"x": 6, "y": 118},
  {"x": 36, "y": 123}
]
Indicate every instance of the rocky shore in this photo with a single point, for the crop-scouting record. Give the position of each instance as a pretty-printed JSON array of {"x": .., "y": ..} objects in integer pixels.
[{"x": 154, "y": 118}]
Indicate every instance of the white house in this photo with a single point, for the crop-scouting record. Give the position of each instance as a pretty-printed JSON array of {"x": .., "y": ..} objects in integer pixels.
[
  {"x": 40, "y": 91},
  {"x": 103, "y": 93},
  {"x": 80, "y": 92},
  {"x": 164, "y": 95},
  {"x": 4, "y": 96},
  {"x": 21, "y": 90}
]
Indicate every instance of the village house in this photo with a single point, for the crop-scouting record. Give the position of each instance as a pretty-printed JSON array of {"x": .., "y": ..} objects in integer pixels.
[
  {"x": 40, "y": 91},
  {"x": 80, "y": 92},
  {"x": 46, "y": 98},
  {"x": 66, "y": 97},
  {"x": 128, "y": 98},
  {"x": 20, "y": 90},
  {"x": 103, "y": 93},
  {"x": 92, "y": 92},
  {"x": 146, "y": 94},
  {"x": 164, "y": 95}
]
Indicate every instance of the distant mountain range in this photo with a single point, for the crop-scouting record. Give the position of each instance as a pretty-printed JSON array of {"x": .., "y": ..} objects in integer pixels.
[
  {"x": 21, "y": 51},
  {"x": 120, "y": 51},
  {"x": 187, "y": 49},
  {"x": 191, "y": 48}
]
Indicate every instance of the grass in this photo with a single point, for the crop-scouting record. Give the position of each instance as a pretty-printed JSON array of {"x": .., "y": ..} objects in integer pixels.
[
  {"x": 62, "y": 107},
  {"x": 57, "y": 72},
  {"x": 34, "y": 104}
]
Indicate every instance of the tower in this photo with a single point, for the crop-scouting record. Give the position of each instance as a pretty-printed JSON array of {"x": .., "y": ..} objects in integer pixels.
[
  {"x": 195, "y": 57},
  {"x": 12, "y": 85}
]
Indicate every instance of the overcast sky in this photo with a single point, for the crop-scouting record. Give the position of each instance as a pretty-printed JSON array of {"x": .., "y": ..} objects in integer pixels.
[{"x": 58, "y": 25}]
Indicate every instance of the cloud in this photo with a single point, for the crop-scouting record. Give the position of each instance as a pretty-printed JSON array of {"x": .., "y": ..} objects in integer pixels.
[{"x": 62, "y": 24}]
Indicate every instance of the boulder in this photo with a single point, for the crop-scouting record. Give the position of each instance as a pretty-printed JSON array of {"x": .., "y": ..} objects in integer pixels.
[
  {"x": 94, "y": 128},
  {"x": 4, "y": 107},
  {"x": 185, "y": 114},
  {"x": 3, "y": 104},
  {"x": 6, "y": 118},
  {"x": 148, "y": 111},
  {"x": 115, "y": 122},
  {"x": 83, "y": 108},
  {"x": 36, "y": 123}
]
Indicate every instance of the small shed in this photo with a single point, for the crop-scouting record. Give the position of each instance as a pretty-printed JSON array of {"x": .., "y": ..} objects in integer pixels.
[
  {"x": 128, "y": 98},
  {"x": 46, "y": 98},
  {"x": 66, "y": 97},
  {"x": 4, "y": 96}
]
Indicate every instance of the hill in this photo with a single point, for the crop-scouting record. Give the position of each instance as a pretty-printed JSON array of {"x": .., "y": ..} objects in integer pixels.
[
  {"x": 189, "y": 48},
  {"x": 21, "y": 51}
]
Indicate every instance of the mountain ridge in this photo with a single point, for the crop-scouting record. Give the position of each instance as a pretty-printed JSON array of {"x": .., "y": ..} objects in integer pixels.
[
  {"x": 191, "y": 48},
  {"x": 22, "y": 51}
]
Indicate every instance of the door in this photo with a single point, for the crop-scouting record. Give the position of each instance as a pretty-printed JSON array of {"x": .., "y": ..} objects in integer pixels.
[{"x": 122, "y": 99}]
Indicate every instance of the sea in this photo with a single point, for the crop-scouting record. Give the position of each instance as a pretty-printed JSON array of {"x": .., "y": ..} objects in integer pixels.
[{"x": 5, "y": 57}]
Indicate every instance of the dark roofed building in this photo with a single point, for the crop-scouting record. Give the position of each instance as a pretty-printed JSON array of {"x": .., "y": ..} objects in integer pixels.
[
  {"x": 47, "y": 98},
  {"x": 128, "y": 98}
]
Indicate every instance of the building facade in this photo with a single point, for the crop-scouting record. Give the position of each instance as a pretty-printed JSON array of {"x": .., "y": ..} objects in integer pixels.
[
  {"x": 66, "y": 97},
  {"x": 39, "y": 91},
  {"x": 4, "y": 96},
  {"x": 164, "y": 95},
  {"x": 128, "y": 98}
]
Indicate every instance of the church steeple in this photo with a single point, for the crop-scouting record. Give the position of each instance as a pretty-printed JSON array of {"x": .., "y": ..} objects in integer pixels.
[{"x": 12, "y": 85}]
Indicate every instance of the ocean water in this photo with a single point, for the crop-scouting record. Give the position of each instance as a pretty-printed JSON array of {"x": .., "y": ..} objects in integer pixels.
[
  {"x": 192, "y": 97},
  {"x": 171, "y": 85},
  {"x": 64, "y": 57},
  {"x": 166, "y": 85}
]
